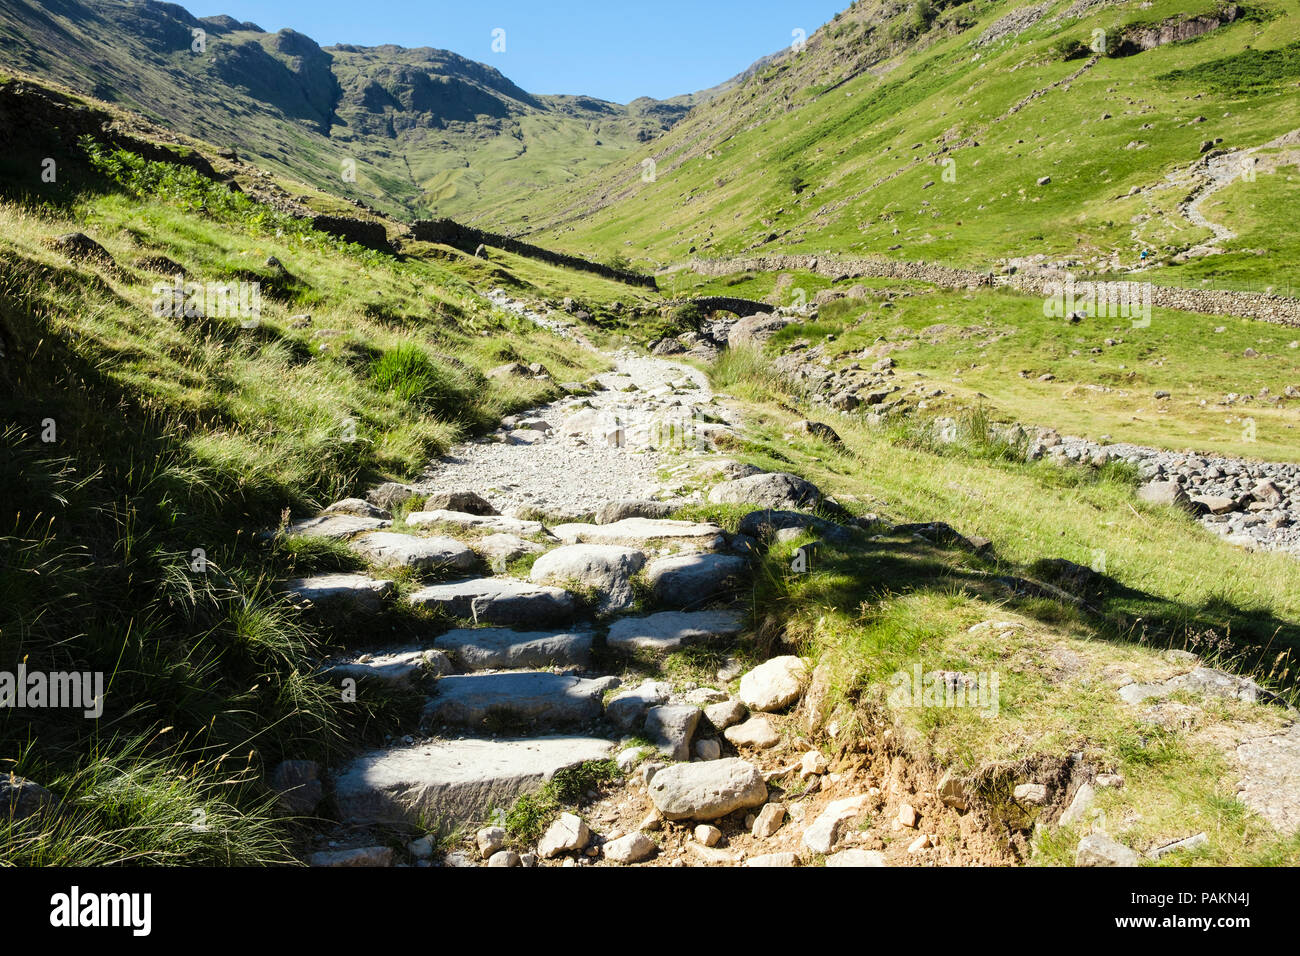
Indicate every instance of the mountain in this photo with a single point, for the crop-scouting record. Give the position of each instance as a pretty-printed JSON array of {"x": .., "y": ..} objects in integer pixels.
[
  {"x": 426, "y": 131},
  {"x": 986, "y": 134}
]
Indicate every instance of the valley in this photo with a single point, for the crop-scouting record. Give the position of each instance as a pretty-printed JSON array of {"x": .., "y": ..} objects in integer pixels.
[{"x": 514, "y": 506}]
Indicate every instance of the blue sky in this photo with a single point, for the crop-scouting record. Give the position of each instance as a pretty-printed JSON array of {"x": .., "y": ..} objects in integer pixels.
[{"x": 613, "y": 49}]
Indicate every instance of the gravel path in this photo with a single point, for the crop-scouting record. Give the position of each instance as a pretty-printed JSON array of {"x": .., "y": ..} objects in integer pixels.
[{"x": 574, "y": 455}]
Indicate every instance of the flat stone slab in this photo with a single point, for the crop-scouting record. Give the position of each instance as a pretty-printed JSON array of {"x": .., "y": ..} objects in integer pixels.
[
  {"x": 337, "y": 527},
  {"x": 607, "y": 568},
  {"x": 501, "y": 648},
  {"x": 339, "y": 591},
  {"x": 498, "y": 601},
  {"x": 552, "y": 699},
  {"x": 645, "y": 532},
  {"x": 1270, "y": 777},
  {"x": 494, "y": 523},
  {"x": 443, "y": 782},
  {"x": 501, "y": 547},
  {"x": 393, "y": 667},
  {"x": 685, "y": 580},
  {"x": 669, "y": 630},
  {"x": 406, "y": 550}
]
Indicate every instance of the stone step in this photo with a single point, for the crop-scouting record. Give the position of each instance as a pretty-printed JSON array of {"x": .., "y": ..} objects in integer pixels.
[
  {"x": 338, "y": 527},
  {"x": 499, "y": 601},
  {"x": 407, "y": 550},
  {"x": 493, "y": 523},
  {"x": 500, "y": 648},
  {"x": 690, "y": 580},
  {"x": 347, "y": 592},
  {"x": 645, "y": 533},
  {"x": 669, "y": 630},
  {"x": 396, "y": 667},
  {"x": 549, "y": 699},
  {"x": 444, "y": 782}
]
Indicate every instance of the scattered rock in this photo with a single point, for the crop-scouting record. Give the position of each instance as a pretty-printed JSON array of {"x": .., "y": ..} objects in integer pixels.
[
  {"x": 707, "y": 790},
  {"x": 632, "y": 848},
  {"x": 463, "y": 502},
  {"x": 774, "y": 684},
  {"x": 769, "y": 820},
  {"x": 566, "y": 835},
  {"x": 707, "y": 835},
  {"x": 824, "y": 832},
  {"x": 757, "y": 732},
  {"x": 671, "y": 728},
  {"x": 1098, "y": 849},
  {"x": 777, "y": 491}
]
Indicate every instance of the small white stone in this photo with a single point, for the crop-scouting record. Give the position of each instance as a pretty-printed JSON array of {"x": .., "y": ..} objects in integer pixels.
[
  {"x": 813, "y": 764},
  {"x": 707, "y": 835},
  {"x": 489, "y": 840},
  {"x": 769, "y": 820}
]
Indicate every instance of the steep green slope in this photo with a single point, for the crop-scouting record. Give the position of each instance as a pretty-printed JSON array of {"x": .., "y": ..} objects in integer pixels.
[
  {"x": 419, "y": 132},
  {"x": 143, "y": 448},
  {"x": 977, "y": 133}
]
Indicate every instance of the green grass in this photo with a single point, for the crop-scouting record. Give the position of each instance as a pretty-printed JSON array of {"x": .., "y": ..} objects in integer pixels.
[
  {"x": 131, "y": 543},
  {"x": 922, "y": 158}
]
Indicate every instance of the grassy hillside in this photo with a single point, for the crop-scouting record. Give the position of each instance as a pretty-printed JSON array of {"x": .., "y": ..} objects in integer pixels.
[
  {"x": 922, "y": 131},
  {"x": 143, "y": 452},
  {"x": 425, "y": 132}
]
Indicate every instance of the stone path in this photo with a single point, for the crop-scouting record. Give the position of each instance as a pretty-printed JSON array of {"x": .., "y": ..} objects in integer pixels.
[
  {"x": 527, "y": 681},
  {"x": 571, "y": 457}
]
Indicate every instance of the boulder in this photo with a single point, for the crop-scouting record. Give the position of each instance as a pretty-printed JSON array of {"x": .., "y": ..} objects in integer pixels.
[
  {"x": 707, "y": 790},
  {"x": 339, "y": 592},
  {"x": 775, "y": 684},
  {"x": 1168, "y": 493},
  {"x": 632, "y": 848},
  {"x": 645, "y": 533},
  {"x": 20, "y": 798},
  {"x": 618, "y": 510},
  {"x": 776, "y": 490},
  {"x": 757, "y": 732},
  {"x": 689, "y": 580},
  {"x": 1098, "y": 849},
  {"x": 500, "y": 648},
  {"x": 464, "y": 502},
  {"x": 498, "y": 601},
  {"x": 605, "y": 567},
  {"x": 824, "y": 832},
  {"x": 409, "y": 551},
  {"x": 725, "y": 714},
  {"x": 670, "y": 728},
  {"x": 816, "y": 430},
  {"x": 391, "y": 495},
  {"x": 540, "y": 696},
  {"x": 856, "y": 858},
  {"x": 567, "y": 834},
  {"x": 357, "y": 507},
  {"x": 627, "y": 709},
  {"x": 361, "y": 856}
]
